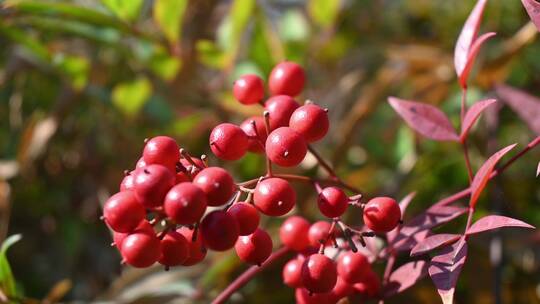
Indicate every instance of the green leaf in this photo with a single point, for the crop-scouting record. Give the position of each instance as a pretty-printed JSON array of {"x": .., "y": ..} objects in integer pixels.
[
  {"x": 210, "y": 54},
  {"x": 130, "y": 97},
  {"x": 324, "y": 12},
  {"x": 293, "y": 26},
  {"x": 230, "y": 31},
  {"x": 185, "y": 124},
  {"x": 74, "y": 67},
  {"x": 7, "y": 281},
  {"x": 124, "y": 9},
  {"x": 165, "y": 66},
  {"x": 35, "y": 48},
  {"x": 168, "y": 15}
]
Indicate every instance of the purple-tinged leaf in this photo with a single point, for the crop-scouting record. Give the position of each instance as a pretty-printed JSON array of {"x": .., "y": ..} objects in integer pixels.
[
  {"x": 482, "y": 176},
  {"x": 533, "y": 9},
  {"x": 425, "y": 119},
  {"x": 525, "y": 105},
  {"x": 433, "y": 242},
  {"x": 473, "y": 52},
  {"x": 491, "y": 222},
  {"x": 445, "y": 268},
  {"x": 404, "y": 277},
  {"x": 472, "y": 115},
  {"x": 467, "y": 37},
  {"x": 404, "y": 203}
]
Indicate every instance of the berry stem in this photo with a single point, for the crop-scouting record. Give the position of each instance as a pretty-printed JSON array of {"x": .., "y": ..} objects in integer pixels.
[
  {"x": 187, "y": 157},
  {"x": 329, "y": 237}
]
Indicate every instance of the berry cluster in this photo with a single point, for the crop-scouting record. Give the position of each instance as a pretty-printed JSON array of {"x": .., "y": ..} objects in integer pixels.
[{"x": 173, "y": 207}]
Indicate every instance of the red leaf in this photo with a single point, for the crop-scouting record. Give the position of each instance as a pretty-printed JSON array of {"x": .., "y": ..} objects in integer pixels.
[
  {"x": 404, "y": 203},
  {"x": 525, "y": 105},
  {"x": 491, "y": 222},
  {"x": 473, "y": 52},
  {"x": 472, "y": 115},
  {"x": 445, "y": 268},
  {"x": 533, "y": 9},
  {"x": 482, "y": 176},
  {"x": 425, "y": 119},
  {"x": 467, "y": 37},
  {"x": 433, "y": 242},
  {"x": 404, "y": 277}
]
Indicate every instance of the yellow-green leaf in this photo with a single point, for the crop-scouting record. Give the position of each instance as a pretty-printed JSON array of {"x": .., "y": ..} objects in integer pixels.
[
  {"x": 7, "y": 281},
  {"x": 130, "y": 97},
  {"x": 324, "y": 12},
  {"x": 168, "y": 14},
  {"x": 124, "y": 9}
]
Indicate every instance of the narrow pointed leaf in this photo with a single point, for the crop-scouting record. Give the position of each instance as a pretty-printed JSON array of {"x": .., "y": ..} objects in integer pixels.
[
  {"x": 434, "y": 242},
  {"x": 7, "y": 281},
  {"x": 124, "y": 9},
  {"x": 467, "y": 37},
  {"x": 425, "y": 119},
  {"x": 525, "y": 105},
  {"x": 168, "y": 14},
  {"x": 404, "y": 203},
  {"x": 473, "y": 52},
  {"x": 533, "y": 9},
  {"x": 472, "y": 115},
  {"x": 491, "y": 222},
  {"x": 482, "y": 176},
  {"x": 538, "y": 170},
  {"x": 445, "y": 268},
  {"x": 405, "y": 276}
]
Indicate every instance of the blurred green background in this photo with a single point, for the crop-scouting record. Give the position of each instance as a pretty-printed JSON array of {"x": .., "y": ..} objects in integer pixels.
[{"x": 83, "y": 82}]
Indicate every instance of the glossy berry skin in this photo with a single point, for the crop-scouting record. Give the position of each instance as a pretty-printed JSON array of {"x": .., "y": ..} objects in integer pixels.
[
  {"x": 382, "y": 214},
  {"x": 319, "y": 273},
  {"x": 280, "y": 108},
  {"x": 292, "y": 273},
  {"x": 122, "y": 212},
  {"x": 369, "y": 286},
  {"x": 141, "y": 249},
  {"x": 185, "y": 204},
  {"x": 311, "y": 121},
  {"x": 143, "y": 227},
  {"x": 247, "y": 217},
  {"x": 174, "y": 249},
  {"x": 228, "y": 141},
  {"x": 219, "y": 230},
  {"x": 217, "y": 184},
  {"x": 293, "y": 233},
  {"x": 248, "y": 89},
  {"x": 128, "y": 182},
  {"x": 256, "y": 144},
  {"x": 332, "y": 202},
  {"x": 341, "y": 290},
  {"x": 197, "y": 252},
  {"x": 141, "y": 163},
  {"x": 274, "y": 196},
  {"x": 352, "y": 267},
  {"x": 303, "y": 296},
  {"x": 287, "y": 78},
  {"x": 286, "y": 147},
  {"x": 254, "y": 248},
  {"x": 152, "y": 184},
  {"x": 318, "y": 232},
  {"x": 161, "y": 150}
]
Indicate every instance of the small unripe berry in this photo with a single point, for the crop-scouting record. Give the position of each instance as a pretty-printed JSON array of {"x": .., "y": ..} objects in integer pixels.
[
  {"x": 174, "y": 249},
  {"x": 280, "y": 108},
  {"x": 292, "y": 272},
  {"x": 217, "y": 184},
  {"x": 287, "y": 78},
  {"x": 286, "y": 147},
  {"x": 332, "y": 202},
  {"x": 369, "y": 286},
  {"x": 319, "y": 273},
  {"x": 122, "y": 212},
  {"x": 141, "y": 249},
  {"x": 197, "y": 252},
  {"x": 161, "y": 150},
  {"x": 185, "y": 204},
  {"x": 353, "y": 267},
  {"x": 248, "y": 89},
  {"x": 247, "y": 217},
  {"x": 228, "y": 141},
  {"x": 311, "y": 121},
  {"x": 382, "y": 214},
  {"x": 256, "y": 143},
  {"x": 318, "y": 232},
  {"x": 293, "y": 233},
  {"x": 219, "y": 230},
  {"x": 143, "y": 227},
  {"x": 152, "y": 184},
  {"x": 274, "y": 196},
  {"x": 254, "y": 248},
  {"x": 303, "y": 296}
]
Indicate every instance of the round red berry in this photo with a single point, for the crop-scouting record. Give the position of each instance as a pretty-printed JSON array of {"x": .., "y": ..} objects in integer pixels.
[
  {"x": 382, "y": 214},
  {"x": 228, "y": 141},
  {"x": 292, "y": 272},
  {"x": 274, "y": 196},
  {"x": 141, "y": 249},
  {"x": 311, "y": 121},
  {"x": 197, "y": 252},
  {"x": 248, "y": 89},
  {"x": 122, "y": 212},
  {"x": 174, "y": 249},
  {"x": 332, "y": 202},
  {"x": 318, "y": 232},
  {"x": 353, "y": 267},
  {"x": 128, "y": 181},
  {"x": 286, "y": 147},
  {"x": 293, "y": 233},
  {"x": 161, "y": 150},
  {"x": 341, "y": 290},
  {"x": 319, "y": 273},
  {"x": 247, "y": 217},
  {"x": 185, "y": 204},
  {"x": 143, "y": 227},
  {"x": 217, "y": 184},
  {"x": 280, "y": 108},
  {"x": 369, "y": 286},
  {"x": 287, "y": 78},
  {"x": 219, "y": 230},
  {"x": 303, "y": 296},
  {"x": 255, "y": 129},
  {"x": 152, "y": 184},
  {"x": 254, "y": 248},
  {"x": 140, "y": 163}
]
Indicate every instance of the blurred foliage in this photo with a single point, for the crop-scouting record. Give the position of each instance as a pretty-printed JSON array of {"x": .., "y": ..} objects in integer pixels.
[{"x": 83, "y": 82}]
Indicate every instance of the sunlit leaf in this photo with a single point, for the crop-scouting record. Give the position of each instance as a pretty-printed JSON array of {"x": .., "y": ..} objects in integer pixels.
[
  {"x": 324, "y": 12},
  {"x": 130, "y": 97},
  {"x": 433, "y": 242},
  {"x": 293, "y": 26},
  {"x": 445, "y": 268},
  {"x": 405, "y": 277},
  {"x": 473, "y": 52},
  {"x": 168, "y": 14},
  {"x": 472, "y": 115},
  {"x": 76, "y": 69},
  {"x": 533, "y": 9},
  {"x": 7, "y": 281},
  {"x": 210, "y": 54},
  {"x": 165, "y": 66},
  {"x": 124, "y": 9},
  {"x": 492, "y": 222}
]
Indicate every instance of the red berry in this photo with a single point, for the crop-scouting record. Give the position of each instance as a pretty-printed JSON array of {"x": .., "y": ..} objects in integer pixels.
[
  {"x": 286, "y": 147},
  {"x": 152, "y": 184},
  {"x": 292, "y": 272},
  {"x": 353, "y": 267},
  {"x": 382, "y": 214},
  {"x": 140, "y": 163},
  {"x": 128, "y": 181},
  {"x": 217, "y": 184},
  {"x": 174, "y": 249},
  {"x": 141, "y": 249},
  {"x": 274, "y": 196},
  {"x": 219, "y": 230},
  {"x": 287, "y": 78},
  {"x": 341, "y": 290},
  {"x": 332, "y": 202},
  {"x": 248, "y": 89},
  {"x": 185, "y": 203},
  {"x": 143, "y": 227},
  {"x": 228, "y": 141},
  {"x": 303, "y": 296},
  {"x": 319, "y": 273},
  {"x": 197, "y": 252},
  {"x": 122, "y": 212},
  {"x": 247, "y": 217},
  {"x": 369, "y": 285},
  {"x": 280, "y": 108},
  {"x": 161, "y": 150},
  {"x": 294, "y": 233},
  {"x": 256, "y": 143},
  {"x": 318, "y": 232},
  {"x": 182, "y": 177},
  {"x": 254, "y": 248},
  {"x": 311, "y": 121}
]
